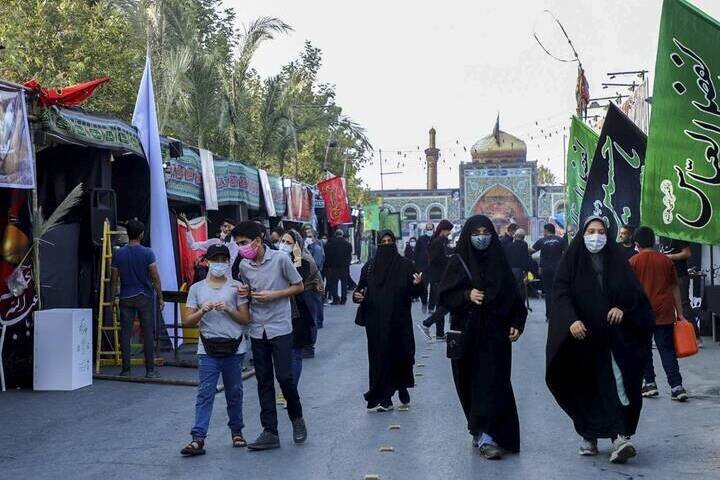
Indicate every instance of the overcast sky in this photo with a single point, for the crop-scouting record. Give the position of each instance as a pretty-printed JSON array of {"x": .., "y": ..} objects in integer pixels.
[{"x": 402, "y": 66}]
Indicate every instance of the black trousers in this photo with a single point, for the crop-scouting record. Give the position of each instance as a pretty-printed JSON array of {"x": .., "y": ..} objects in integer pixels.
[
  {"x": 277, "y": 352},
  {"x": 335, "y": 275},
  {"x": 425, "y": 291},
  {"x": 139, "y": 306},
  {"x": 438, "y": 316},
  {"x": 548, "y": 277}
]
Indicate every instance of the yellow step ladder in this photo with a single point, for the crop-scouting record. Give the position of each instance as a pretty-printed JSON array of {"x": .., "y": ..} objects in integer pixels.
[{"x": 107, "y": 357}]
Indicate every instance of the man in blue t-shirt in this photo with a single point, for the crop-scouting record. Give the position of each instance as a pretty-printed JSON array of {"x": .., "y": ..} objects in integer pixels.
[{"x": 135, "y": 271}]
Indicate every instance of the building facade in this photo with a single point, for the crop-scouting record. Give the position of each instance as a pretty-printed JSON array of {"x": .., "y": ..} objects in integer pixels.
[{"x": 498, "y": 181}]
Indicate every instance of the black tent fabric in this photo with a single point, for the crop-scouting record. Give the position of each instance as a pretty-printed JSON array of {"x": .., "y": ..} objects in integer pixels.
[
  {"x": 613, "y": 187},
  {"x": 59, "y": 261}
]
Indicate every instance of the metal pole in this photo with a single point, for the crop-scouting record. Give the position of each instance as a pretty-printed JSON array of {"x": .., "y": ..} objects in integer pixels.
[
  {"x": 712, "y": 265},
  {"x": 382, "y": 188},
  {"x": 564, "y": 159}
]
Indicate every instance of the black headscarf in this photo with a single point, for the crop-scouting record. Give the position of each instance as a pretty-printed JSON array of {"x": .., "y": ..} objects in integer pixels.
[
  {"x": 489, "y": 269},
  {"x": 385, "y": 261}
]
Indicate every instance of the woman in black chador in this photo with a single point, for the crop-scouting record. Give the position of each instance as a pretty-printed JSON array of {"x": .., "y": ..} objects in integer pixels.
[
  {"x": 598, "y": 340},
  {"x": 387, "y": 286},
  {"x": 480, "y": 291}
]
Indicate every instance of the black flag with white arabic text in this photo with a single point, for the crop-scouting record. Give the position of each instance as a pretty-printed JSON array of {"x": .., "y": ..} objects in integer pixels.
[{"x": 614, "y": 183}]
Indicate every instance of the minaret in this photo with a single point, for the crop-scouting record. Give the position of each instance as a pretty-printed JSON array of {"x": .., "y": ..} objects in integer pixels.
[{"x": 431, "y": 157}]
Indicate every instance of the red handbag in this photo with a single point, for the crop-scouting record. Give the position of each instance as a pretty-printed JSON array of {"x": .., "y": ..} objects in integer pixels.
[{"x": 684, "y": 339}]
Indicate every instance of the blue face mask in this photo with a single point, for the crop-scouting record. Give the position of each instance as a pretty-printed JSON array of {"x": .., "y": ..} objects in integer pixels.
[
  {"x": 480, "y": 242},
  {"x": 218, "y": 270},
  {"x": 428, "y": 233},
  {"x": 284, "y": 247}
]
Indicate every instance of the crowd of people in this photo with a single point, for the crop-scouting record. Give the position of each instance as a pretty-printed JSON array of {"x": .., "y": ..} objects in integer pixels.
[
  {"x": 264, "y": 294},
  {"x": 605, "y": 302}
]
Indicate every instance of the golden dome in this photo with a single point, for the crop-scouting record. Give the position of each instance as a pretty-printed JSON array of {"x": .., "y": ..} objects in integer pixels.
[{"x": 499, "y": 146}]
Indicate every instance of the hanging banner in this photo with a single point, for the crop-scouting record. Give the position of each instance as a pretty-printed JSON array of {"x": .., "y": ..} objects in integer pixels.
[
  {"x": 391, "y": 221},
  {"x": 637, "y": 108},
  {"x": 681, "y": 186},
  {"x": 188, "y": 256},
  {"x": 267, "y": 193},
  {"x": 335, "y": 197},
  {"x": 16, "y": 158},
  {"x": 299, "y": 203},
  {"x": 278, "y": 194},
  {"x": 237, "y": 183},
  {"x": 208, "y": 177},
  {"x": 371, "y": 216},
  {"x": 614, "y": 183},
  {"x": 184, "y": 181},
  {"x": 583, "y": 141}
]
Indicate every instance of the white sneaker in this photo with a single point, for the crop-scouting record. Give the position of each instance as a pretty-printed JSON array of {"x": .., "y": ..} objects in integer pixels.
[
  {"x": 622, "y": 450},
  {"x": 588, "y": 448}
]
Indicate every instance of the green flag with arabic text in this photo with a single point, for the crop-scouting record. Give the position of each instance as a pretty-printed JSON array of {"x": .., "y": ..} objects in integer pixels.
[
  {"x": 581, "y": 149},
  {"x": 681, "y": 183}
]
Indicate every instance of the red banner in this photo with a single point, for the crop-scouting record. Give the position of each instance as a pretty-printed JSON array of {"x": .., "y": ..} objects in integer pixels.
[{"x": 335, "y": 196}]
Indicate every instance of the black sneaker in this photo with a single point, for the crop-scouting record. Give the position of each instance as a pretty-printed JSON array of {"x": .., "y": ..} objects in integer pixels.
[
  {"x": 491, "y": 452},
  {"x": 152, "y": 374},
  {"x": 125, "y": 372},
  {"x": 650, "y": 390},
  {"x": 265, "y": 441},
  {"x": 299, "y": 430},
  {"x": 404, "y": 396},
  {"x": 679, "y": 394},
  {"x": 308, "y": 352},
  {"x": 386, "y": 406}
]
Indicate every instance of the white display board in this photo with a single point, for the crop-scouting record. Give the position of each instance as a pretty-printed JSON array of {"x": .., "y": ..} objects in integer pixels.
[{"x": 63, "y": 349}]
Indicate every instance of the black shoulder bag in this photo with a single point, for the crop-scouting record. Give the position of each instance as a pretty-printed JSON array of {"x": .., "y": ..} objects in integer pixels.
[{"x": 455, "y": 339}]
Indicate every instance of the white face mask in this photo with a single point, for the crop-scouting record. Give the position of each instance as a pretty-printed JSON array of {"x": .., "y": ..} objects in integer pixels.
[
  {"x": 595, "y": 242},
  {"x": 218, "y": 270}
]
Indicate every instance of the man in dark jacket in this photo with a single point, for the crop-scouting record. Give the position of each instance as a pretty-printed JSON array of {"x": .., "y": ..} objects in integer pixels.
[
  {"x": 439, "y": 254},
  {"x": 422, "y": 261},
  {"x": 338, "y": 255},
  {"x": 509, "y": 236},
  {"x": 518, "y": 256}
]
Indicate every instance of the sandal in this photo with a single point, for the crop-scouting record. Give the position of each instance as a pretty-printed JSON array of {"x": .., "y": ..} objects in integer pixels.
[
  {"x": 238, "y": 441},
  {"x": 196, "y": 447}
]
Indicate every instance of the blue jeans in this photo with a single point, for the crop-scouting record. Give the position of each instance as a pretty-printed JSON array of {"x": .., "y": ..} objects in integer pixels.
[
  {"x": 209, "y": 369},
  {"x": 666, "y": 349},
  {"x": 297, "y": 358},
  {"x": 319, "y": 311}
]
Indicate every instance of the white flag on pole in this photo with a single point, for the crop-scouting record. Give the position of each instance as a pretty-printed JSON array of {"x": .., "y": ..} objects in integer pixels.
[{"x": 161, "y": 240}]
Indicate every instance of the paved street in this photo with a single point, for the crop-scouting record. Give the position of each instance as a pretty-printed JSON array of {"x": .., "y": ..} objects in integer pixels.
[{"x": 122, "y": 430}]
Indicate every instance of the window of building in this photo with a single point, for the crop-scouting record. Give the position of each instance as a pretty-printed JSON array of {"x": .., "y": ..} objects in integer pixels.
[
  {"x": 435, "y": 213},
  {"x": 410, "y": 213}
]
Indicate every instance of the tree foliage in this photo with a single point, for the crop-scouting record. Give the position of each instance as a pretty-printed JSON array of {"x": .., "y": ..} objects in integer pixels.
[
  {"x": 207, "y": 92},
  {"x": 545, "y": 176}
]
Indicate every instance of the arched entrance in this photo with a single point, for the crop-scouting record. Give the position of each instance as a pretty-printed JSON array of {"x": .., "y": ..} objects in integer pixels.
[{"x": 502, "y": 206}]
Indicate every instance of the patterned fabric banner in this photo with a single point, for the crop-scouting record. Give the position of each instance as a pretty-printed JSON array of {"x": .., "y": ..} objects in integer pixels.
[
  {"x": 613, "y": 186},
  {"x": 681, "y": 186},
  {"x": 237, "y": 183},
  {"x": 334, "y": 195},
  {"x": 581, "y": 149},
  {"x": 184, "y": 183},
  {"x": 93, "y": 129}
]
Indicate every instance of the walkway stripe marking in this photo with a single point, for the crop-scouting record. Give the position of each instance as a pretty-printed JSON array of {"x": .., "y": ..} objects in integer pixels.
[{"x": 386, "y": 449}]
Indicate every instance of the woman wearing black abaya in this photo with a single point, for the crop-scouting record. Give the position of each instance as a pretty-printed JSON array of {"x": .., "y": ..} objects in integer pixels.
[
  {"x": 387, "y": 286},
  {"x": 598, "y": 340},
  {"x": 480, "y": 291}
]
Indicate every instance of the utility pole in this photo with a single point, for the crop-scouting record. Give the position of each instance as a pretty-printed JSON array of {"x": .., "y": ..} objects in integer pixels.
[{"x": 382, "y": 188}]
